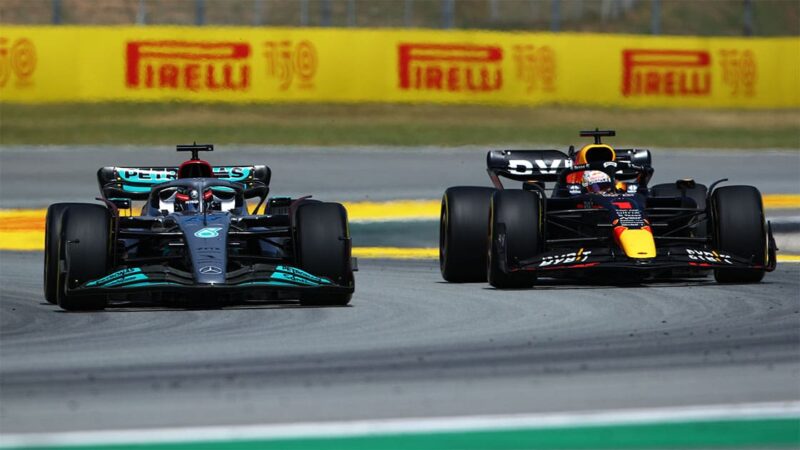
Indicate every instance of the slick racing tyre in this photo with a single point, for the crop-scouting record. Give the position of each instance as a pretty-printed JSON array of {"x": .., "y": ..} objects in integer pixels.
[
  {"x": 739, "y": 229},
  {"x": 52, "y": 235},
  {"x": 463, "y": 227},
  {"x": 322, "y": 246},
  {"x": 86, "y": 235},
  {"x": 515, "y": 225},
  {"x": 698, "y": 193}
]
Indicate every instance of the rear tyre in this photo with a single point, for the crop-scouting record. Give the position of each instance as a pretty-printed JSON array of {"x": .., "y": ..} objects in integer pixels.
[
  {"x": 85, "y": 244},
  {"x": 322, "y": 246},
  {"x": 515, "y": 224},
  {"x": 463, "y": 228},
  {"x": 52, "y": 236},
  {"x": 739, "y": 229}
]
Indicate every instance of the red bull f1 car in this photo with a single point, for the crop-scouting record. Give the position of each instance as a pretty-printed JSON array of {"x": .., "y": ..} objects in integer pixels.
[
  {"x": 203, "y": 235},
  {"x": 591, "y": 213}
]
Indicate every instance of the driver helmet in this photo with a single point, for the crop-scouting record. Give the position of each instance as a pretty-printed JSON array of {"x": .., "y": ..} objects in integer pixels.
[
  {"x": 187, "y": 201},
  {"x": 596, "y": 181}
]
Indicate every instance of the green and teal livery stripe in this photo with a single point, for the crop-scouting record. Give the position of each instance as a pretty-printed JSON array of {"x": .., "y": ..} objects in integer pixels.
[
  {"x": 290, "y": 280},
  {"x": 126, "y": 280},
  {"x": 151, "y": 283},
  {"x": 230, "y": 175},
  {"x": 297, "y": 276},
  {"x": 762, "y": 425},
  {"x": 135, "y": 189},
  {"x": 119, "y": 277},
  {"x": 282, "y": 276}
]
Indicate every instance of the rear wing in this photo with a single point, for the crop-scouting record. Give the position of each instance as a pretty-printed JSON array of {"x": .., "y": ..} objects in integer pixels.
[
  {"x": 135, "y": 183},
  {"x": 546, "y": 165},
  {"x": 527, "y": 165}
]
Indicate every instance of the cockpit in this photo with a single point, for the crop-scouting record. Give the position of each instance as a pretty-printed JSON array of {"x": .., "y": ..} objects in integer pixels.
[{"x": 196, "y": 195}]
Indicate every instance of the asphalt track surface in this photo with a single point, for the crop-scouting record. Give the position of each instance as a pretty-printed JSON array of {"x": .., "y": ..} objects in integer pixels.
[
  {"x": 33, "y": 177},
  {"x": 408, "y": 346}
]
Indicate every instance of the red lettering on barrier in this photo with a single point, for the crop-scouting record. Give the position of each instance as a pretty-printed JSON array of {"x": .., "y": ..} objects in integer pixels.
[
  {"x": 666, "y": 73},
  {"x": 181, "y": 65},
  {"x": 192, "y": 77},
  {"x": 168, "y": 76},
  {"x": 446, "y": 67}
]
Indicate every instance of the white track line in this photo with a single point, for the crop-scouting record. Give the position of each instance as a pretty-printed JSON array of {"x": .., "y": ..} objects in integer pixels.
[{"x": 789, "y": 409}]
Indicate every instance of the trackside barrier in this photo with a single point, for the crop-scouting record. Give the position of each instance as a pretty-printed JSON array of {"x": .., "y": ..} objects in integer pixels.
[{"x": 86, "y": 64}]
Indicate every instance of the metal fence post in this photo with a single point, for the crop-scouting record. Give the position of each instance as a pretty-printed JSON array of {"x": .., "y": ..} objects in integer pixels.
[
  {"x": 141, "y": 13},
  {"x": 325, "y": 13},
  {"x": 56, "y": 12},
  {"x": 555, "y": 16},
  {"x": 605, "y": 9},
  {"x": 448, "y": 11},
  {"x": 258, "y": 12},
  {"x": 655, "y": 17},
  {"x": 199, "y": 12},
  {"x": 493, "y": 10},
  {"x": 748, "y": 18},
  {"x": 303, "y": 13},
  {"x": 408, "y": 12},
  {"x": 351, "y": 13}
]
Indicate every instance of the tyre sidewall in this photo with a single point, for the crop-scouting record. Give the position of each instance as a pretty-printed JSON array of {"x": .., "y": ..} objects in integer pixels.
[
  {"x": 85, "y": 250},
  {"x": 463, "y": 226},
  {"x": 322, "y": 247},
  {"x": 52, "y": 240},
  {"x": 519, "y": 216},
  {"x": 739, "y": 228}
]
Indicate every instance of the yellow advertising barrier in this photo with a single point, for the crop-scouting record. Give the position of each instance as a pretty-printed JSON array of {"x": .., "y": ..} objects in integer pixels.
[{"x": 55, "y": 64}]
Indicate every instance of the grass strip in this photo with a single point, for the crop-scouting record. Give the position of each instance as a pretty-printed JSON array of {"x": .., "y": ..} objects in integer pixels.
[{"x": 389, "y": 124}]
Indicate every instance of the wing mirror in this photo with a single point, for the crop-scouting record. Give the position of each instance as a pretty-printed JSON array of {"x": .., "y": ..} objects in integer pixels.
[
  {"x": 685, "y": 183},
  {"x": 256, "y": 191},
  {"x": 121, "y": 203}
]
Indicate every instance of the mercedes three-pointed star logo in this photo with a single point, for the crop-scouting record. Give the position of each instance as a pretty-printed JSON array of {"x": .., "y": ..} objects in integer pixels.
[{"x": 210, "y": 270}]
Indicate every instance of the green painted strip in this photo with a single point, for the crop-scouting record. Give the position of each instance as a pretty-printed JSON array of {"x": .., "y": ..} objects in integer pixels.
[{"x": 761, "y": 433}]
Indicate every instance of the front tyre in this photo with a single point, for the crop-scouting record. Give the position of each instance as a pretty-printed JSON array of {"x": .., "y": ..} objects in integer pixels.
[
  {"x": 322, "y": 248},
  {"x": 85, "y": 248},
  {"x": 463, "y": 227},
  {"x": 515, "y": 234},
  {"x": 52, "y": 237},
  {"x": 739, "y": 229}
]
